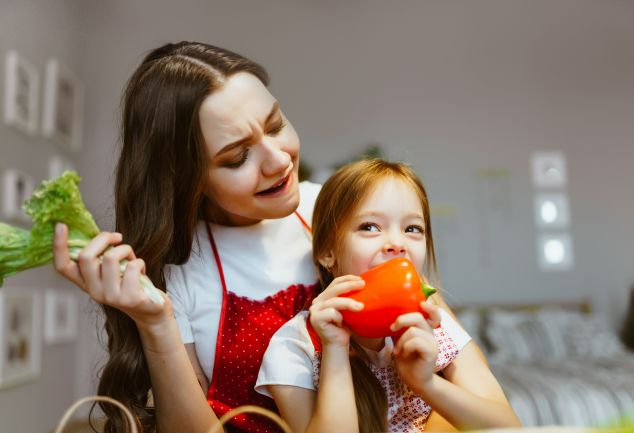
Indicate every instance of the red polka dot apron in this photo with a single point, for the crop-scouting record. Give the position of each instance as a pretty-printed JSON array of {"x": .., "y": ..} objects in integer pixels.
[{"x": 245, "y": 328}]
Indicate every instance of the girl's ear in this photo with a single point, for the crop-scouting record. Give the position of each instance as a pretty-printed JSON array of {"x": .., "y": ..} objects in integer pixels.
[{"x": 327, "y": 260}]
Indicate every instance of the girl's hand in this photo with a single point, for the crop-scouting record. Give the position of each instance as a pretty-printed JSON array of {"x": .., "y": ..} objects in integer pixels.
[
  {"x": 102, "y": 279},
  {"x": 416, "y": 350},
  {"x": 325, "y": 316}
]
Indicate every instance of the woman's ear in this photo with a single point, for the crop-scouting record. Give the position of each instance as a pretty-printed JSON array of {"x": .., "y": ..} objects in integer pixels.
[{"x": 327, "y": 260}]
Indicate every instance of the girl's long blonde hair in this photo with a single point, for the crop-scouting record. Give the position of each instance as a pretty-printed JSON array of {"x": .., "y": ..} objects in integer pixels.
[{"x": 336, "y": 204}]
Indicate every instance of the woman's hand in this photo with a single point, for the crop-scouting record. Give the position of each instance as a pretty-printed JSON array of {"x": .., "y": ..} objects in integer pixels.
[
  {"x": 101, "y": 277},
  {"x": 325, "y": 316},
  {"x": 416, "y": 350}
]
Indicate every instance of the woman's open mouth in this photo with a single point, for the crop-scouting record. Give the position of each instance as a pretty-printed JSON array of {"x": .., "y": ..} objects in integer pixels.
[{"x": 277, "y": 189}]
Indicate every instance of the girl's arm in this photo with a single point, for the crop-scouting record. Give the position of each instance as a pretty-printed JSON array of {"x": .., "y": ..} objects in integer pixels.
[
  {"x": 180, "y": 405},
  {"x": 332, "y": 408},
  {"x": 468, "y": 395}
]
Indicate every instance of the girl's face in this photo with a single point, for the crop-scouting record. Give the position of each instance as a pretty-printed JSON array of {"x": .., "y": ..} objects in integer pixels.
[
  {"x": 388, "y": 224},
  {"x": 253, "y": 152}
]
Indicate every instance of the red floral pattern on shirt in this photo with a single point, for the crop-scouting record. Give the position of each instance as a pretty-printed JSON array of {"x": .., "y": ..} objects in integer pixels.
[{"x": 407, "y": 412}]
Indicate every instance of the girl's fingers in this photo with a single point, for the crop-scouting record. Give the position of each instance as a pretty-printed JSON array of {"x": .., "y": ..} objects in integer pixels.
[
  {"x": 340, "y": 304},
  {"x": 325, "y": 316},
  {"x": 421, "y": 339},
  {"x": 340, "y": 285},
  {"x": 433, "y": 313},
  {"x": 414, "y": 346},
  {"x": 408, "y": 320},
  {"x": 61, "y": 257}
]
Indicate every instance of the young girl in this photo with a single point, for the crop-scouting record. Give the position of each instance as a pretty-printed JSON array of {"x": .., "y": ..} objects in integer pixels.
[{"x": 369, "y": 212}]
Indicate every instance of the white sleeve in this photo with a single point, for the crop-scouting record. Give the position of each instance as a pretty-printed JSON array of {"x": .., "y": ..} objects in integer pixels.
[
  {"x": 459, "y": 336},
  {"x": 308, "y": 195},
  {"x": 177, "y": 291},
  {"x": 288, "y": 360}
]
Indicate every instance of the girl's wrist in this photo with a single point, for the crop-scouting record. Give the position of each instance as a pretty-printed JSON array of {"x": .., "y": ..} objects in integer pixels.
[{"x": 426, "y": 389}]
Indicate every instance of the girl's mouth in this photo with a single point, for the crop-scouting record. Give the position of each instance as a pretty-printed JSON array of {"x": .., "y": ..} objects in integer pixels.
[{"x": 278, "y": 188}]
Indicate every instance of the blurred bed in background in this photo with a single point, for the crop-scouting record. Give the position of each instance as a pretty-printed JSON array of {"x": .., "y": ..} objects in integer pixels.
[{"x": 559, "y": 364}]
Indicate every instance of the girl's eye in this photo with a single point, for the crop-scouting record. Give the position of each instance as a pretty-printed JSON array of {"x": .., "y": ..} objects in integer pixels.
[
  {"x": 239, "y": 162},
  {"x": 276, "y": 129},
  {"x": 415, "y": 229},
  {"x": 369, "y": 227}
]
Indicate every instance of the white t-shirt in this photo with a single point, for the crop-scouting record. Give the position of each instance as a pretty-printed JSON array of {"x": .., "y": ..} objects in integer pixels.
[
  {"x": 290, "y": 357},
  {"x": 258, "y": 261}
]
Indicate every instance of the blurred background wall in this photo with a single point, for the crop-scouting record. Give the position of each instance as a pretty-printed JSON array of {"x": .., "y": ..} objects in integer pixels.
[{"x": 462, "y": 90}]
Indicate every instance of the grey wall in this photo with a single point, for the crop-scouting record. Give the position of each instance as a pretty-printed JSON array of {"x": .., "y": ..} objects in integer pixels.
[
  {"x": 39, "y": 30},
  {"x": 453, "y": 87}
]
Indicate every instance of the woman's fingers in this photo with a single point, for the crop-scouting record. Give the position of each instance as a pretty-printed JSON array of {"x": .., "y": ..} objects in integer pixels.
[
  {"x": 111, "y": 271},
  {"x": 340, "y": 285},
  {"x": 131, "y": 290},
  {"x": 61, "y": 257}
]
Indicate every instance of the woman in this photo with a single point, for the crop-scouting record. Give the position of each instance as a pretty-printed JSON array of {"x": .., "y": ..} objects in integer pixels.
[{"x": 207, "y": 193}]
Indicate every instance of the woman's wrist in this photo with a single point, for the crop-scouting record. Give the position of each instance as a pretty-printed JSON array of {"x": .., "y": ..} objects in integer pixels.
[{"x": 160, "y": 336}]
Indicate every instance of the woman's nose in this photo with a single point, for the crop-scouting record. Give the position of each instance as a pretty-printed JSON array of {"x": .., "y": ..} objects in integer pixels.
[{"x": 276, "y": 160}]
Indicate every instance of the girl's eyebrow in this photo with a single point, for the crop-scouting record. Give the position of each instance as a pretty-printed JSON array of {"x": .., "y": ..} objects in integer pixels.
[
  {"x": 275, "y": 110},
  {"x": 378, "y": 214}
]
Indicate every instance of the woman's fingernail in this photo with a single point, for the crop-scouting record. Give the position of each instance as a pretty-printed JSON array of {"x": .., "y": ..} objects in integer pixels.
[{"x": 59, "y": 228}]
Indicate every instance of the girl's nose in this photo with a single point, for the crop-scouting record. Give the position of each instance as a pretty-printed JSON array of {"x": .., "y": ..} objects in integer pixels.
[
  {"x": 276, "y": 160},
  {"x": 394, "y": 245}
]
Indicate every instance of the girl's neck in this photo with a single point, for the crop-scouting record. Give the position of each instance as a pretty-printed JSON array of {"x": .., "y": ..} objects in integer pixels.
[{"x": 375, "y": 344}]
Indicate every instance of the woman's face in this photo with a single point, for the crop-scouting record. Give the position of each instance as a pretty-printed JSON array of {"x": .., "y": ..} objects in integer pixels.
[
  {"x": 388, "y": 224},
  {"x": 253, "y": 153}
]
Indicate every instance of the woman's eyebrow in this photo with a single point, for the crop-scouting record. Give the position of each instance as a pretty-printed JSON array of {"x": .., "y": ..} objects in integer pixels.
[{"x": 275, "y": 109}]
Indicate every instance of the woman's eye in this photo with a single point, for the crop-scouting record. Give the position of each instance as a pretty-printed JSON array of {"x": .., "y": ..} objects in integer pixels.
[
  {"x": 239, "y": 162},
  {"x": 276, "y": 129},
  {"x": 414, "y": 229},
  {"x": 369, "y": 227}
]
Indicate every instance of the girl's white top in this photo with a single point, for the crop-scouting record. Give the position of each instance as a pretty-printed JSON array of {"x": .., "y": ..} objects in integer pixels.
[{"x": 291, "y": 359}]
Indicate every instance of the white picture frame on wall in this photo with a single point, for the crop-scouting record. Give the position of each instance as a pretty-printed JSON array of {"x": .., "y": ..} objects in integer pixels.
[
  {"x": 57, "y": 165},
  {"x": 21, "y": 91},
  {"x": 20, "y": 336},
  {"x": 63, "y": 106},
  {"x": 60, "y": 316},
  {"x": 17, "y": 187}
]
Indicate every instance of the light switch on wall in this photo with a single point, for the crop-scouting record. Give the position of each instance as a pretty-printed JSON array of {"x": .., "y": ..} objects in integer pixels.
[{"x": 549, "y": 169}]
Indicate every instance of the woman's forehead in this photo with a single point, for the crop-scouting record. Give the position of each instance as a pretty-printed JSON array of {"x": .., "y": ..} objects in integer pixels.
[{"x": 226, "y": 114}]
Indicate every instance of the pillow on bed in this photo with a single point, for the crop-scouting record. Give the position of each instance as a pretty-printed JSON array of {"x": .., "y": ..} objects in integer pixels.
[
  {"x": 550, "y": 333},
  {"x": 471, "y": 320},
  {"x": 521, "y": 336}
]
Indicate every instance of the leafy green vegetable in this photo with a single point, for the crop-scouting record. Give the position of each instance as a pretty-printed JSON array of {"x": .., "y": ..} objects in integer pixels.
[{"x": 58, "y": 200}]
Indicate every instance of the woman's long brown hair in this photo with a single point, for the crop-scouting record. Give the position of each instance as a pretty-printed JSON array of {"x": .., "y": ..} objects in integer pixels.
[
  {"x": 336, "y": 204},
  {"x": 159, "y": 197}
]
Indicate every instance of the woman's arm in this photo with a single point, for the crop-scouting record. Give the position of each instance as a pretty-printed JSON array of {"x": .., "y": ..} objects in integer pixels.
[
  {"x": 180, "y": 405},
  {"x": 469, "y": 396}
]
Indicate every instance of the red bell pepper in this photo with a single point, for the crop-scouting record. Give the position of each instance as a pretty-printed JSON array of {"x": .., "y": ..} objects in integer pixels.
[{"x": 391, "y": 289}]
